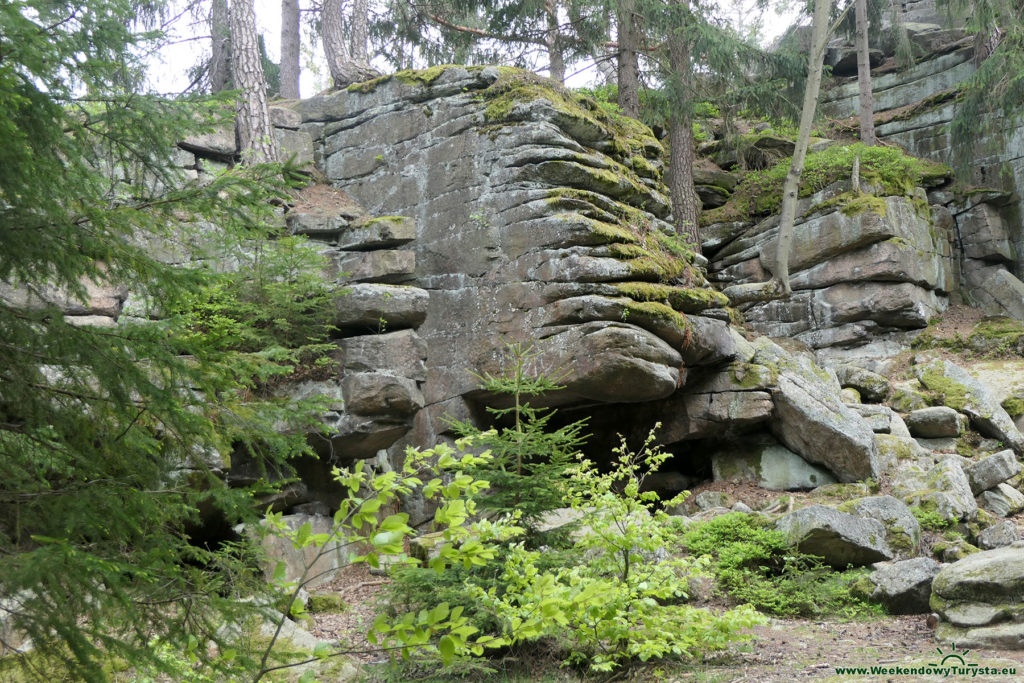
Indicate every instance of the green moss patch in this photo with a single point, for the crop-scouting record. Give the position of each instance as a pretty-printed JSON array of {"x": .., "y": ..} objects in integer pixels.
[
  {"x": 624, "y": 136},
  {"x": 409, "y": 77},
  {"x": 994, "y": 337},
  {"x": 896, "y": 173},
  {"x": 685, "y": 299}
]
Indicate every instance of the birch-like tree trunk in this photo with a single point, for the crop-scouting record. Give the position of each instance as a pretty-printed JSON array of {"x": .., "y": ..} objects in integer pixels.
[
  {"x": 220, "y": 46},
  {"x": 865, "y": 102},
  {"x": 253, "y": 131},
  {"x": 290, "y": 49},
  {"x": 819, "y": 33},
  {"x": 629, "y": 63}
]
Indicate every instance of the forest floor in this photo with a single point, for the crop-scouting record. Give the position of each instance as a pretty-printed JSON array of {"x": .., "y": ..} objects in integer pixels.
[{"x": 782, "y": 649}]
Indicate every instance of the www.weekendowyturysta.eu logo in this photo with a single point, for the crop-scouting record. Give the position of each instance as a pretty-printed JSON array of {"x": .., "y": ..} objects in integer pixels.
[{"x": 945, "y": 664}]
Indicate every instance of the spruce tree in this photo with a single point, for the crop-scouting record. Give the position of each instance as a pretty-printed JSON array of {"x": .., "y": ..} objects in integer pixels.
[
  {"x": 997, "y": 87},
  {"x": 530, "y": 459},
  {"x": 109, "y": 435}
]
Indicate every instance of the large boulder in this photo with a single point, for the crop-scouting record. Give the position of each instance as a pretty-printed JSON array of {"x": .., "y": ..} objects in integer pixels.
[
  {"x": 981, "y": 599},
  {"x": 839, "y": 538},
  {"x": 964, "y": 393},
  {"x": 992, "y": 470},
  {"x": 902, "y": 530},
  {"x": 942, "y": 488},
  {"x": 935, "y": 422},
  {"x": 812, "y": 421},
  {"x": 905, "y": 587}
]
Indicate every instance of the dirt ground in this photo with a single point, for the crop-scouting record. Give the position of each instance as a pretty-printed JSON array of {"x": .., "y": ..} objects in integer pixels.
[
  {"x": 782, "y": 650},
  {"x": 799, "y": 649}
]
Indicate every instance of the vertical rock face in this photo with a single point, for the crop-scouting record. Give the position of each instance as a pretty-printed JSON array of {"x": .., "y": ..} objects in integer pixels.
[
  {"x": 913, "y": 108},
  {"x": 539, "y": 218}
]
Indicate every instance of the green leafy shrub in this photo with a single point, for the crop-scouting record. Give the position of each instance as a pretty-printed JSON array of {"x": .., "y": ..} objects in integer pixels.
[
  {"x": 754, "y": 564},
  {"x": 625, "y": 601},
  {"x": 930, "y": 519}
]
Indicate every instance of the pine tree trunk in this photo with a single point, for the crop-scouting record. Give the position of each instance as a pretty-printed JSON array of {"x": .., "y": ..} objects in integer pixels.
[
  {"x": 819, "y": 33},
  {"x": 866, "y": 107},
  {"x": 255, "y": 135},
  {"x": 220, "y": 46},
  {"x": 629, "y": 64},
  {"x": 290, "y": 49},
  {"x": 685, "y": 202},
  {"x": 360, "y": 31},
  {"x": 344, "y": 69},
  {"x": 553, "y": 43}
]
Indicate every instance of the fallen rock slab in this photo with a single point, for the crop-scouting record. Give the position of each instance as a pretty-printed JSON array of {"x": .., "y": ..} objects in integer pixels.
[
  {"x": 967, "y": 395},
  {"x": 840, "y": 539},
  {"x": 993, "y": 470}
]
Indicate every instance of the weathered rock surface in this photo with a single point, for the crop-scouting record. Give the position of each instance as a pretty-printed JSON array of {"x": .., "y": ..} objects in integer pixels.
[
  {"x": 935, "y": 422},
  {"x": 902, "y": 530},
  {"x": 1003, "y": 500},
  {"x": 840, "y": 538},
  {"x": 854, "y": 276},
  {"x": 322, "y": 563},
  {"x": 993, "y": 470},
  {"x": 905, "y": 587},
  {"x": 998, "y": 535},
  {"x": 813, "y": 422},
  {"x": 871, "y": 386},
  {"x": 967, "y": 395},
  {"x": 982, "y": 599},
  {"x": 943, "y": 488},
  {"x": 770, "y": 466}
]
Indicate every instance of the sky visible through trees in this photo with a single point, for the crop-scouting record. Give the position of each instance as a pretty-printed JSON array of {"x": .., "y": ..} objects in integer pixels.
[{"x": 190, "y": 42}]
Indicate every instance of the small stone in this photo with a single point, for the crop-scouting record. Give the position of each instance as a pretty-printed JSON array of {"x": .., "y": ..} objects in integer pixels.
[{"x": 705, "y": 500}]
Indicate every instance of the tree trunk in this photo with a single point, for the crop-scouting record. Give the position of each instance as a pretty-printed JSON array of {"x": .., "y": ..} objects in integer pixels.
[
  {"x": 685, "y": 202},
  {"x": 605, "y": 63},
  {"x": 220, "y": 46},
  {"x": 344, "y": 69},
  {"x": 629, "y": 64},
  {"x": 360, "y": 31},
  {"x": 819, "y": 33},
  {"x": 290, "y": 49},
  {"x": 866, "y": 107},
  {"x": 553, "y": 43},
  {"x": 253, "y": 131}
]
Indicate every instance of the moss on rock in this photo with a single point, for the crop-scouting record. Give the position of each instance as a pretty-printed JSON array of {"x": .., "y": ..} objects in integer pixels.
[{"x": 760, "y": 192}]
